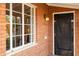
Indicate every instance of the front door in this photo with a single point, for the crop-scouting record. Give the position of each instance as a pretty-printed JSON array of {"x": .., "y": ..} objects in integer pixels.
[{"x": 63, "y": 34}]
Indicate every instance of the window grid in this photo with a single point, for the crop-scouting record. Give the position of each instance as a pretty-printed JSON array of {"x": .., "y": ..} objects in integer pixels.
[
  {"x": 23, "y": 25},
  {"x": 8, "y": 36},
  {"x": 8, "y": 33}
]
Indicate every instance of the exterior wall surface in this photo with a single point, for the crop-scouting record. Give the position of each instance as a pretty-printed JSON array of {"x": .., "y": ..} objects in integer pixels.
[
  {"x": 2, "y": 30},
  {"x": 43, "y": 28},
  {"x": 77, "y": 34}
]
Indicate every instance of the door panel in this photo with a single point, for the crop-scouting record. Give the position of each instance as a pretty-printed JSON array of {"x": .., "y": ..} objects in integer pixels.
[{"x": 63, "y": 34}]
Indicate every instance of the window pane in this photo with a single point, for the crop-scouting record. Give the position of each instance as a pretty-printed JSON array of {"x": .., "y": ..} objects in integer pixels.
[
  {"x": 14, "y": 29},
  {"x": 18, "y": 29},
  {"x": 14, "y": 42},
  {"x": 17, "y": 41},
  {"x": 17, "y": 24},
  {"x": 7, "y": 43},
  {"x": 7, "y": 6},
  {"x": 26, "y": 19},
  {"x": 7, "y": 16},
  {"x": 27, "y": 29},
  {"x": 17, "y": 7},
  {"x": 17, "y": 18},
  {"x": 7, "y": 26},
  {"x": 32, "y": 12},
  {"x": 26, "y": 39},
  {"x": 27, "y": 9},
  {"x": 8, "y": 29}
]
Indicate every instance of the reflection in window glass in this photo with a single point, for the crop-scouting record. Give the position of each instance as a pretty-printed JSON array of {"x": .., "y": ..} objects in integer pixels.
[
  {"x": 18, "y": 29},
  {"x": 27, "y": 9},
  {"x": 7, "y": 43},
  {"x": 32, "y": 11},
  {"x": 20, "y": 23},
  {"x": 17, "y": 18},
  {"x": 17, "y": 41},
  {"x": 8, "y": 36},
  {"x": 7, "y": 16},
  {"x": 14, "y": 29},
  {"x": 17, "y": 24},
  {"x": 7, "y": 6},
  {"x": 7, "y": 26},
  {"x": 26, "y": 19},
  {"x": 27, "y": 29},
  {"x": 27, "y": 24},
  {"x": 26, "y": 39},
  {"x": 17, "y": 7},
  {"x": 8, "y": 19},
  {"x": 8, "y": 29}
]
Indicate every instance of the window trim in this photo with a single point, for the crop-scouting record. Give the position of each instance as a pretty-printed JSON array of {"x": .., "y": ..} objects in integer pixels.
[
  {"x": 34, "y": 28},
  {"x": 29, "y": 45}
]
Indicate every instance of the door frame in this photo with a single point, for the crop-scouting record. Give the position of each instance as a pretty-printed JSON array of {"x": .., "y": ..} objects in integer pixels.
[{"x": 73, "y": 27}]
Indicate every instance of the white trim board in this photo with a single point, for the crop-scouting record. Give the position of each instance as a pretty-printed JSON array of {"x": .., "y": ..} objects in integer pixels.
[
  {"x": 73, "y": 27},
  {"x": 65, "y": 5}
]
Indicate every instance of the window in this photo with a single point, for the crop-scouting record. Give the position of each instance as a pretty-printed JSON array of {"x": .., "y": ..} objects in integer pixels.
[
  {"x": 19, "y": 25},
  {"x": 16, "y": 25},
  {"x": 8, "y": 26}
]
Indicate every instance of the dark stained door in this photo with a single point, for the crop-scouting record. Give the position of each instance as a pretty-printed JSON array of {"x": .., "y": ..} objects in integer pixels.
[{"x": 63, "y": 34}]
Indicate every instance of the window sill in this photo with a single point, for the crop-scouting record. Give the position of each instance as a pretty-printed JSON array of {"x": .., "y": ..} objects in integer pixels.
[{"x": 14, "y": 51}]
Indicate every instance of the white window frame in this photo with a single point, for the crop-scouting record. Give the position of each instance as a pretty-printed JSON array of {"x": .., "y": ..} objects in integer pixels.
[{"x": 23, "y": 46}]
